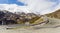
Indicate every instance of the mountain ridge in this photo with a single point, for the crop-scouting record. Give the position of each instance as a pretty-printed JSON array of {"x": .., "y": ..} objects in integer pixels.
[{"x": 55, "y": 14}]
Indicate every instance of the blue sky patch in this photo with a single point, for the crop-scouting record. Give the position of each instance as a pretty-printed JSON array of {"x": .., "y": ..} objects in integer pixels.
[{"x": 11, "y": 2}]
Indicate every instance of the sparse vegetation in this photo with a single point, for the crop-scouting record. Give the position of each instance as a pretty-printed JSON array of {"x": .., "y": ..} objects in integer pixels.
[
  {"x": 17, "y": 18},
  {"x": 34, "y": 19},
  {"x": 55, "y": 14}
]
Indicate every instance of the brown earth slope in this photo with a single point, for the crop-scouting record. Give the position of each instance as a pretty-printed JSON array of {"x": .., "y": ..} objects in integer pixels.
[{"x": 55, "y": 14}]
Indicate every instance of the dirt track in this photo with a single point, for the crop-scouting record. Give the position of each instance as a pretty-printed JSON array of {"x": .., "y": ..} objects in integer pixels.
[{"x": 36, "y": 29}]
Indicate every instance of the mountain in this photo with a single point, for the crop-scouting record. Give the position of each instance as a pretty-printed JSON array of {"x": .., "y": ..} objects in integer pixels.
[
  {"x": 55, "y": 14},
  {"x": 17, "y": 18}
]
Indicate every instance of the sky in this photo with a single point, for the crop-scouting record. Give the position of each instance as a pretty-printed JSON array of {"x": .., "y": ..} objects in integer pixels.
[
  {"x": 30, "y": 6},
  {"x": 11, "y": 2}
]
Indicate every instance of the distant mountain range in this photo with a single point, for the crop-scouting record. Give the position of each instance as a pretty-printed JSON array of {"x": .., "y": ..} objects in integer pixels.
[
  {"x": 20, "y": 17},
  {"x": 55, "y": 14},
  {"x": 17, "y": 18}
]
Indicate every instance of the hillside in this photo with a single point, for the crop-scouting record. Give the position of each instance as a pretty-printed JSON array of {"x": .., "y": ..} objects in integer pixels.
[
  {"x": 55, "y": 14},
  {"x": 17, "y": 18}
]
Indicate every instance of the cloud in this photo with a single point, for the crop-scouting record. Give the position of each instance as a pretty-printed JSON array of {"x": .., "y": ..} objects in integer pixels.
[
  {"x": 41, "y": 6},
  {"x": 34, "y": 6},
  {"x": 23, "y": 1},
  {"x": 13, "y": 8}
]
